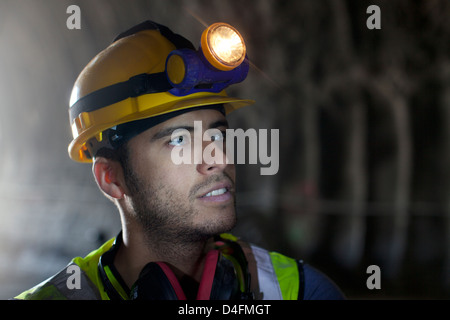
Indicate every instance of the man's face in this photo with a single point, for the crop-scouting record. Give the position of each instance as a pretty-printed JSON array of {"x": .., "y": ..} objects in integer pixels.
[{"x": 187, "y": 202}]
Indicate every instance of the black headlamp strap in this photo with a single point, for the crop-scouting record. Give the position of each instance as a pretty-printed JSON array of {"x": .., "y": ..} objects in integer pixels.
[
  {"x": 178, "y": 40},
  {"x": 135, "y": 86}
]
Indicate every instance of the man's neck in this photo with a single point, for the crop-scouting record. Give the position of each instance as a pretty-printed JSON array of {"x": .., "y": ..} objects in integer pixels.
[{"x": 185, "y": 259}]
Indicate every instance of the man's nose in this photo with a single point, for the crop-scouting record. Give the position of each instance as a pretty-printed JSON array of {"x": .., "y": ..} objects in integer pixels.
[{"x": 214, "y": 158}]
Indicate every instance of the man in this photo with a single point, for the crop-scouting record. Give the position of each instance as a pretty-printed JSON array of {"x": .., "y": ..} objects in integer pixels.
[{"x": 131, "y": 106}]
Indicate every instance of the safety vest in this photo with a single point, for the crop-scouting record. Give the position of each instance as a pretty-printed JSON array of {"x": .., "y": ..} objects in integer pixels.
[{"x": 275, "y": 276}]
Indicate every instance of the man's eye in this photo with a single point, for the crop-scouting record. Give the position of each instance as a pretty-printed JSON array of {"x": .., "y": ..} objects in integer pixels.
[
  {"x": 218, "y": 136},
  {"x": 178, "y": 141}
]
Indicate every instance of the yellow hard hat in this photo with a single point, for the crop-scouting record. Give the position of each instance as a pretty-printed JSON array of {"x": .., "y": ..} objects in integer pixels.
[{"x": 128, "y": 81}]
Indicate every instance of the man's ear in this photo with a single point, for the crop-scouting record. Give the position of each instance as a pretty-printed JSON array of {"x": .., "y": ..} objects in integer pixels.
[{"x": 108, "y": 174}]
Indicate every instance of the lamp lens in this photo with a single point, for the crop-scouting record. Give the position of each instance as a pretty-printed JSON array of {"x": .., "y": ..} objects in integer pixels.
[{"x": 226, "y": 44}]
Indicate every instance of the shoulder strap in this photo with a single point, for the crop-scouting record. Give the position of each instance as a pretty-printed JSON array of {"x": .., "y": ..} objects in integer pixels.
[
  {"x": 269, "y": 285},
  {"x": 301, "y": 275},
  {"x": 279, "y": 277}
]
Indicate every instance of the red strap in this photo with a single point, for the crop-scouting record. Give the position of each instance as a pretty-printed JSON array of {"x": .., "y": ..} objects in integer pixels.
[
  {"x": 206, "y": 283},
  {"x": 173, "y": 280}
]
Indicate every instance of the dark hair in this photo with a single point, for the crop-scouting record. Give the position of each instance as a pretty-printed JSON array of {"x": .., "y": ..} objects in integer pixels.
[{"x": 119, "y": 154}]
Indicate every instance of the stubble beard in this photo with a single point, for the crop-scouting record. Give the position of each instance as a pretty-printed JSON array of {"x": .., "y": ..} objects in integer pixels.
[{"x": 167, "y": 219}]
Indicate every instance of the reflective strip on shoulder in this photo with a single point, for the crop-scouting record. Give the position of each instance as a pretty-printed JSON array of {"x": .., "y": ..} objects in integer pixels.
[
  {"x": 287, "y": 273},
  {"x": 42, "y": 291},
  {"x": 267, "y": 278},
  {"x": 116, "y": 284},
  {"x": 57, "y": 288},
  {"x": 86, "y": 291}
]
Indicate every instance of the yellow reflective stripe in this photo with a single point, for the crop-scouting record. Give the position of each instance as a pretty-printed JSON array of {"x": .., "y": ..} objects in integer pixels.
[
  {"x": 229, "y": 236},
  {"x": 89, "y": 265},
  {"x": 116, "y": 283},
  {"x": 42, "y": 292},
  {"x": 238, "y": 270},
  {"x": 286, "y": 270}
]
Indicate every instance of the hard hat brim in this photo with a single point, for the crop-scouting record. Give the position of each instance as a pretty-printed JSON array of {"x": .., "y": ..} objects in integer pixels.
[{"x": 89, "y": 125}]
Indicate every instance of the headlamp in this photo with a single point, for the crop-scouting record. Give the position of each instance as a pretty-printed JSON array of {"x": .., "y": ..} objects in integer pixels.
[
  {"x": 223, "y": 46},
  {"x": 219, "y": 62}
]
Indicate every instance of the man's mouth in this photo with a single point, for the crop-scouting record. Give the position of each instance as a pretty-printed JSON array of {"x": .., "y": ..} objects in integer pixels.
[
  {"x": 219, "y": 192},
  {"x": 216, "y": 192}
]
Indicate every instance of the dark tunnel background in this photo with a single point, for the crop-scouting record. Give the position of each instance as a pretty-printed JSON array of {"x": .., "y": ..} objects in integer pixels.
[{"x": 363, "y": 116}]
